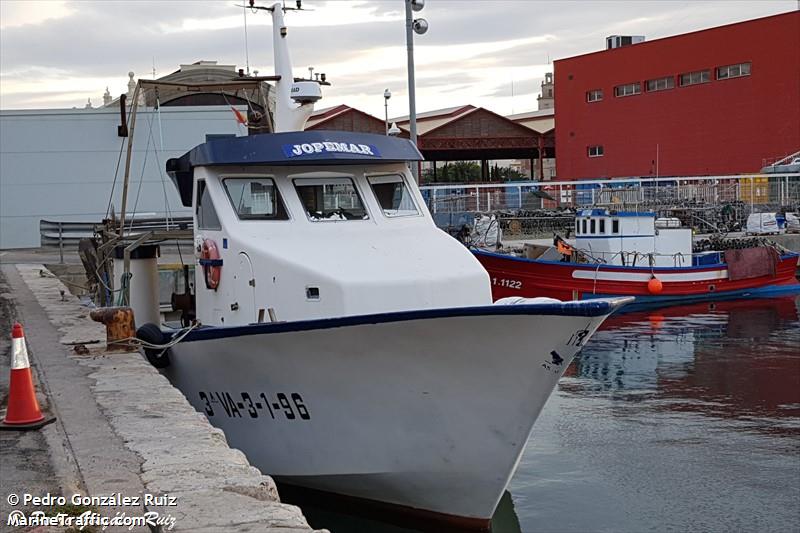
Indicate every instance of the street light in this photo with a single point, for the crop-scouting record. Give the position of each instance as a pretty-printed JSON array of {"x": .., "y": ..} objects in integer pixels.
[
  {"x": 386, "y": 95},
  {"x": 419, "y": 26}
]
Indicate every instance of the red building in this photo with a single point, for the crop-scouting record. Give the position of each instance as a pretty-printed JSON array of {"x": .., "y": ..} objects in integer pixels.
[{"x": 724, "y": 100}]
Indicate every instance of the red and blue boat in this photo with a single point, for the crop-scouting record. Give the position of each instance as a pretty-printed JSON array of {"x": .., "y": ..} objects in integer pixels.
[{"x": 622, "y": 253}]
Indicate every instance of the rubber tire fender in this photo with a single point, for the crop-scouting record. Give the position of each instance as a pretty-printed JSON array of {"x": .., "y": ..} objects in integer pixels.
[{"x": 152, "y": 333}]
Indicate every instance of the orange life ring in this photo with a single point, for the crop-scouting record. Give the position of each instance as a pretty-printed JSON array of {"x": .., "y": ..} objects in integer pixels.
[{"x": 211, "y": 263}]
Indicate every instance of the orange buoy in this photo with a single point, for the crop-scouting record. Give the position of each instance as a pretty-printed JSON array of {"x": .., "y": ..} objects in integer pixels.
[{"x": 655, "y": 286}]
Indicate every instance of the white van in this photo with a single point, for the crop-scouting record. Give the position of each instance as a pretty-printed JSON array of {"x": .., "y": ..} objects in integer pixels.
[{"x": 765, "y": 224}]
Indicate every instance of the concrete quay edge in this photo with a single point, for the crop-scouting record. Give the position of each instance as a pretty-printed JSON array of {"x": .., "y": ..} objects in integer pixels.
[{"x": 130, "y": 431}]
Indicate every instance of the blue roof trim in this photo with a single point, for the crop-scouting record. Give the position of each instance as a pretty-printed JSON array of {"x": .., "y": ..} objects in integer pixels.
[
  {"x": 290, "y": 149},
  {"x": 634, "y": 214},
  {"x": 607, "y": 213},
  {"x": 587, "y": 308},
  {"x": 602, "y": 266},
  {"x": 598, "y": 236}
]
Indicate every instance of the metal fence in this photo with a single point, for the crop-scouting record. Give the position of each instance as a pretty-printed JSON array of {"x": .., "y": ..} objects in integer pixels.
[
  {"x": 535, "y": 209},
  {"x": 756, "y": 190},
  {"x": 65, "y": 234}
]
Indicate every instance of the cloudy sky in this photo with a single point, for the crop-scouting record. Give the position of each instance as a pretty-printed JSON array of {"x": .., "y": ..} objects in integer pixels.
[{"x": 59, "y": 53}]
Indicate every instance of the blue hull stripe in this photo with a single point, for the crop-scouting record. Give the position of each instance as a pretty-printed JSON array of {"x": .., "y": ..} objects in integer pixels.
[
  {"x": 660, "y": 301},
  {"x": 585, "y": 308}
]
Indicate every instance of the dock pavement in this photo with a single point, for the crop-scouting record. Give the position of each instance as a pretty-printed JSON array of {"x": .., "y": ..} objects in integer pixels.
[{"x": 122, "y": 431}]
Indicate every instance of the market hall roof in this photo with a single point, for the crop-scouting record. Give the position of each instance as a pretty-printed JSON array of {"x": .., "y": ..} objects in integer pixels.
[
  {"x": 346, "y": 118},
  {"x": 541, "y": 121},
  {"x": 453, "y": 133},
  {"x": 433, "y": 119},
  {"x": 478, "y": 133}
]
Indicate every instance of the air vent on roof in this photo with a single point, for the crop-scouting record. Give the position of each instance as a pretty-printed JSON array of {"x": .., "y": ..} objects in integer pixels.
[{"x": 617, "y": 41}]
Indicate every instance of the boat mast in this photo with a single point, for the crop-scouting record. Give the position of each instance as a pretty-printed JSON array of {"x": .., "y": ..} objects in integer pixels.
[
  {"x": 289, "y": 116},
  {"x": 126, "y": 180}
]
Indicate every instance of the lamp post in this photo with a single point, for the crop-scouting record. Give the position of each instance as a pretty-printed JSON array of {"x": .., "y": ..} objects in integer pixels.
[
  {"x": 386, "y": 95},
  {"x": 419, "y": 26}
]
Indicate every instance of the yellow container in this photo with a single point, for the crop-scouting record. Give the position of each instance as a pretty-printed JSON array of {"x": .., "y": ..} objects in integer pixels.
[{"x": 754, "y": 190}]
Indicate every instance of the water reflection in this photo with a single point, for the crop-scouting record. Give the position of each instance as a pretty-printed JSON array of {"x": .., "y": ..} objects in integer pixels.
[
  {"x": 680, "y": 419},
  {"x": 738, "y": 359}
]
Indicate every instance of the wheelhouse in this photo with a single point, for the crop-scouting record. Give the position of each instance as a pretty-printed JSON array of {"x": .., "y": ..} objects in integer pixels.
[{"x": 316, "y": 225}]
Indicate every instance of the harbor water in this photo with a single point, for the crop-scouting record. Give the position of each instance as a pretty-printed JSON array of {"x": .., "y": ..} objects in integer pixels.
[{"x": 677, "y": 419}]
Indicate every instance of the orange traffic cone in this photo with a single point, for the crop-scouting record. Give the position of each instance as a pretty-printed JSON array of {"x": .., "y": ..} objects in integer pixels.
[{"x": 23, "y": 409}]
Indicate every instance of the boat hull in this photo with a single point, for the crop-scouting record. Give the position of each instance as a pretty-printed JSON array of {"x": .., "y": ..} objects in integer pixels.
[
  {"x": 429, "y": 411},
  {"x": 514, "y": 276}
]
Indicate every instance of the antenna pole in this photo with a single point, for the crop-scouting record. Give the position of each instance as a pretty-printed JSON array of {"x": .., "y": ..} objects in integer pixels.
[
  {"x": 412, "y": 104},
  {"x": 512, "y": 93},
  {"x": 246, "y": 50}
]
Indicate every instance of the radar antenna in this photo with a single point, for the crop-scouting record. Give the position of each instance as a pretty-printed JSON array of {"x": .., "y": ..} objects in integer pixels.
[{"x": 294, "y": 97}]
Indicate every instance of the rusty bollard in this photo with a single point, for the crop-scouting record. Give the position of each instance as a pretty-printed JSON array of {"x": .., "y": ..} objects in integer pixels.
[{"x": 119, "y": 326}]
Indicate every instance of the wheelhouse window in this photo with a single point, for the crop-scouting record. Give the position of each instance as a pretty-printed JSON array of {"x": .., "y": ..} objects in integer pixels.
[
  {"x": 330, "y": 199},
  {"x": 615, "y": 225},
  {"x": 393, "y": 196},
  {"x": 733, "y": 71},
  {"x": 204, "y": 208},
  {"x": 660, "y": 84},
  {"x": 602, "y": 225},
  {"x": 693, "y": 78},
  {"x": 594, "y": 95},
  {"x": 594, "y": 151},
  {"x": 628, "y": 89},
  {"x": 593, "y": 226},
  {"x": 255, "y": 199}
]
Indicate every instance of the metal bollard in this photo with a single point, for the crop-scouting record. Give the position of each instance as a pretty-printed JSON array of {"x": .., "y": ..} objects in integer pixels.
[{"x": 119, "y": 324}]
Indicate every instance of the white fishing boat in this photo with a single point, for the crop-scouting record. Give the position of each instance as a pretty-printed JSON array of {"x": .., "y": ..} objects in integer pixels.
[{"x": 345, "y": 343}]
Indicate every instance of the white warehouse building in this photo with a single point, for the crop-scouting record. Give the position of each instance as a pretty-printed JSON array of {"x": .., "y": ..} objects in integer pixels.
[{"x": 60, "y": 164}]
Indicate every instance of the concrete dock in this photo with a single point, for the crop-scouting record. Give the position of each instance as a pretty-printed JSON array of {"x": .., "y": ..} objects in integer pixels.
[{"x": 121, "y": 428}]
